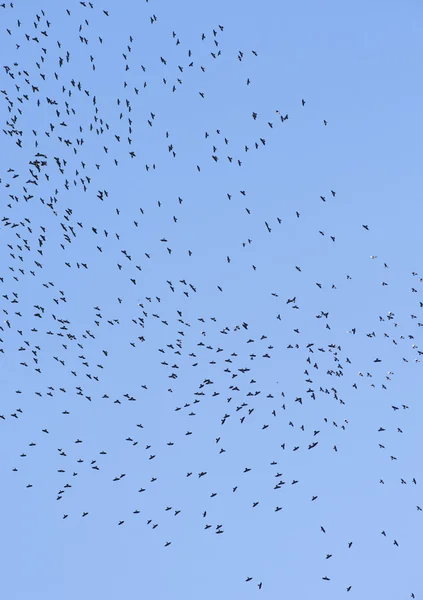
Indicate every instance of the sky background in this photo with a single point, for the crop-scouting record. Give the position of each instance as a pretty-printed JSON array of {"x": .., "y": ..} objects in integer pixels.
[{"x": 358, "y": 67}]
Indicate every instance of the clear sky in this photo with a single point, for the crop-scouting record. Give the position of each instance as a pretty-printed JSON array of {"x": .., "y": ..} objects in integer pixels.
[{"x": 146, "y": 325}]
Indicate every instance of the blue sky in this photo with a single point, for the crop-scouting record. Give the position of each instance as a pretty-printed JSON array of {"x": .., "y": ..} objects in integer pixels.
[{"x": 150, "y": 382}]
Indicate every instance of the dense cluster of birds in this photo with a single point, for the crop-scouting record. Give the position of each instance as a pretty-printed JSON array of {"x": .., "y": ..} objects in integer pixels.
[{"x": 95, "y": 281}]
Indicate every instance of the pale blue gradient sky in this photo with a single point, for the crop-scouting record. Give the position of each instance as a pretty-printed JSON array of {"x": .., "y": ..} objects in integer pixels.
[{"x": 358, "y": 66}]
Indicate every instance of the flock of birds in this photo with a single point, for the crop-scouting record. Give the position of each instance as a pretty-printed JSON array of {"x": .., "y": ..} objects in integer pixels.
[{"x": 65, "y": 233}]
